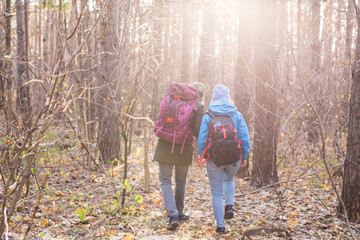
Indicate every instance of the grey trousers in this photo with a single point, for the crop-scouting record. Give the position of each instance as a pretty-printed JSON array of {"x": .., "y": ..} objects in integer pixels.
[{"x": 174, "y": 205}]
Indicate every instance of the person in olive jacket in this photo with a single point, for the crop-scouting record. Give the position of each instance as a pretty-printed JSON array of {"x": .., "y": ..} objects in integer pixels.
[{"x": 174, "y": 204}]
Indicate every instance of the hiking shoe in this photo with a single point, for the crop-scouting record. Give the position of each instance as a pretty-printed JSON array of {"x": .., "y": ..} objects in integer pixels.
[
  {"x": 173, "y": 223},
  {"x": 183, "y": 217},
  {"x": 220, "y": 230},
  {"x": 228, "y": 212}
]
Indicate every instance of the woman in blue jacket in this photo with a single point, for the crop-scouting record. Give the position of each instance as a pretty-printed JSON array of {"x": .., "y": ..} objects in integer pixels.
[{"x": 221, "y": 178}]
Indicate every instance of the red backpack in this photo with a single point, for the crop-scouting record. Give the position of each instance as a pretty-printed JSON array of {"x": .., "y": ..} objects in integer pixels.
[{"x": 176, "y": 110}]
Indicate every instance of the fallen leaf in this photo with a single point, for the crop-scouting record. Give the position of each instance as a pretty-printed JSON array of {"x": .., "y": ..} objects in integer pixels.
[
  {"x": 44, "y": 223},
  {"x": 111, "y": 233}
]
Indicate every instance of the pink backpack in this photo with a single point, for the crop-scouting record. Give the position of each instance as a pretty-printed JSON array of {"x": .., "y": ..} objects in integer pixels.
[{"x": 176, "y": 110}]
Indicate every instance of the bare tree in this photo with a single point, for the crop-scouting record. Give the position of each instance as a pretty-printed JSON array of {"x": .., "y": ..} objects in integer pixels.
[
  {"x": 350, "y": 194},
  {"x": 264, "y": 169},
  {"x": 314, "y": 86},
  {"x": 159, "y": 42},
  {"x": 242, "y": 95},
  {"x": 108, "y": 141},
  {"x": 188, "y": 36},
  {"x": 8, "y": 26},
  {"x": 206, "y": 62},
  {"x": 23, "y": 98},
  {"x": 7, "y": 78}
]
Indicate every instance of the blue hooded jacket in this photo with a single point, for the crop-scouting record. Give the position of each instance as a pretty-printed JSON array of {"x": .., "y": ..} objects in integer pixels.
[{"x": 221, "y": 105}]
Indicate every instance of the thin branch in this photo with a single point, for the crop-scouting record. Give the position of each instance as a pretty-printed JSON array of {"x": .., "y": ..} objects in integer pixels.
[
  {"x": 285, "y": 181},
  {"x": 84, "y": 145},
  {"x": 139, "y": 118},
  {"x": 36, "y": 208},
  {"x": 78, "y": 21},
  {"x": 356, "y": 9},
  {"x": 6, "y": 225}
]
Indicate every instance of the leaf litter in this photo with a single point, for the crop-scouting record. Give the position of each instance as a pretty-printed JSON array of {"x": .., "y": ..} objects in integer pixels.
[{"x": 85, "y": 204}]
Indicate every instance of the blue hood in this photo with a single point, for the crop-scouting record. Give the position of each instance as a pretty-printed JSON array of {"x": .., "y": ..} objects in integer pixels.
[{"x": 222, "y": 107}]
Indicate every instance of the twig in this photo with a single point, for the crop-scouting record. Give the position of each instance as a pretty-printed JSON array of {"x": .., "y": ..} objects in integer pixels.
[
  {"x": 321, "y": 201},
  {"x": 83, "y": 144},
  {"x": 35, "y": 194},
  {"x": 78, "y": 21},
  {"x": 6, "y": 225},
  {"x": 285, "y": 181},
  {"x": 139, "y": 118},
  {"x": 35, "y": 208}
]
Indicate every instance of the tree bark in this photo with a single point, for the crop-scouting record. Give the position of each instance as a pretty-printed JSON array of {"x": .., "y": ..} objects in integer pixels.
[
  {"x": 351, "y": 179},
  {"x": 299, "y": 26},
  {"x": 159, "y": 45},
  {"x": 108, "y": 141},
  {"x": 206, "y": 62},
  {"x": 264, "y": 169},
  {"x": 7, "y": 77},
  {"x": 23, "y": 98},
  {"x": 187, "y": 34},
  {"x": 241, "y": 81},
  {"x": 314, "y": 86},
  {"x": 348, "y": 59},
  {"x": 46, "y": 40},
  {"x": 8, "y": 27}
]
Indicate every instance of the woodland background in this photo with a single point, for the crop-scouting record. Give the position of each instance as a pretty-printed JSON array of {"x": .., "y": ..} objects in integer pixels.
[{"x": 80, "y": 86}]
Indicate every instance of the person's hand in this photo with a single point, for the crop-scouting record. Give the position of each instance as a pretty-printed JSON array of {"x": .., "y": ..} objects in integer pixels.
[{"x": 243, "y": 163}]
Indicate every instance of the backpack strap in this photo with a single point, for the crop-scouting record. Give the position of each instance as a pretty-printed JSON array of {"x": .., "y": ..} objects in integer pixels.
[
  {"x": 243, "y": 163},
  {"x": 182, "y": 148},
  {"x": 210, "y": 114},
  {"x": 240, "y": 148},
  {"x": 173, "y": 145},
  {"x": 202, "y": 160}
]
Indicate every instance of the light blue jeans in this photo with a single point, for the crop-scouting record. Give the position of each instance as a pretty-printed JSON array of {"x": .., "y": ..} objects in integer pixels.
[
  {"x": 173, "y": 204},
  {"x": 221, "y": 181}
]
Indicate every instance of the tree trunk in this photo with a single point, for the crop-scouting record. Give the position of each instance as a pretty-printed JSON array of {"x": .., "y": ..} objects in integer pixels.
[
  {"x": 264, "y": 170},
  {"x": 146, "y": 132},
  {"x": 39, "y": 42},
  {"x": 186, "y": 37},
  {"x": 7, "y": 77},
  {"x": 314, "y": 88},
  {"x": 241, "y": 81},
  {"x": 299, "y": 26},
  {"x": 46, "y": 40},
  {"x": 23, "y": 98},
  {"x": 174, "y": 43},
  {"x": 351, "y": 179},
  {"x": 206, "y": 63},
  {"x": 108, "y": 141},
  {"x": 158, "y": 33},
  {"x": 8, "y": 27},
  {"x": 347, "y": 68}
]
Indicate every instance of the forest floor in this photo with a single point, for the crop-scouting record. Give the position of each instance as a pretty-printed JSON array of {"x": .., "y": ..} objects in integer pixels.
[{"x": 84, "y": 204}]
